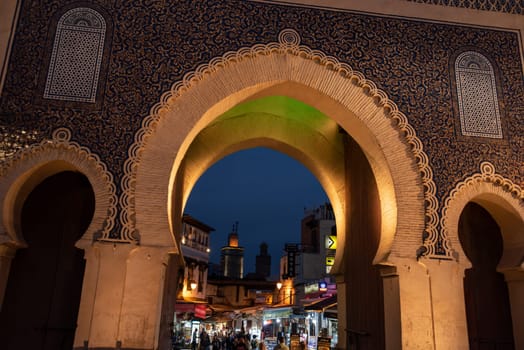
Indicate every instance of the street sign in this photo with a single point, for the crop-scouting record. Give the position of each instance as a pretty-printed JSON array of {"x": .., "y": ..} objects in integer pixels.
[{"x": 331, "y": 242}]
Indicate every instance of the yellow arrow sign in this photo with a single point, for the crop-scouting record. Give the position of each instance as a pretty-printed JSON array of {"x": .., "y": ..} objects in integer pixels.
[{"x": 331, "y": 242}]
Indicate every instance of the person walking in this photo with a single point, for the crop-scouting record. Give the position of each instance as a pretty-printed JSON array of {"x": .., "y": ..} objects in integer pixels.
[{"x": 281, "y": 344}]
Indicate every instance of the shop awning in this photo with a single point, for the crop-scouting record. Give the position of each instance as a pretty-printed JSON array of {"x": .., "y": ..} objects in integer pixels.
[
  {"x": 323, "y": 304},
  {"x": 199, "y": 310}
]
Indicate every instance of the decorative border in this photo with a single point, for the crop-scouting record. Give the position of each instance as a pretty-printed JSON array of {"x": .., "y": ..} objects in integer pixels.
[
  {"x": 62, "y": 148},
  {"x": 289, "y": 44},
  {"x": 508, "y": 6},
  {"x": 487, "y": 175}
]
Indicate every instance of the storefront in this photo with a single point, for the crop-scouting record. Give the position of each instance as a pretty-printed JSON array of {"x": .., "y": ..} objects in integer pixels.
[
  {"x": 187, "y": 323},
  {"x": 276, "y": 323},
  {"x": 322, "y": 321}
]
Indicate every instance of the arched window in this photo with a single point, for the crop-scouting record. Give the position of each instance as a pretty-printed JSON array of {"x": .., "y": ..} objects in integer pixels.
[
  {"x": 477, "y": 96},
  {"x": 77, "y": 56}
]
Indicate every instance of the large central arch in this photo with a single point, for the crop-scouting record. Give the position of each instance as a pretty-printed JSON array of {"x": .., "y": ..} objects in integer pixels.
[
  {"x": 287, "y": 69},
  {"x": 165, "y": 160}
]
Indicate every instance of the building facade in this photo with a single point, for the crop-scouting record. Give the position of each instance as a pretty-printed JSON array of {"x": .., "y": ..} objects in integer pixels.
[
  {"x": 318, "y": 244},
  {"x": 195, "y": 246},
  {"x": 409, "y": 113},
  {"x": 232, "y": 257}
]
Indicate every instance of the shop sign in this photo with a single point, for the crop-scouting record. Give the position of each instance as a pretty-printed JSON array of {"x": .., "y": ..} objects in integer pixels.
[
  {"x": 324, "y": 343},
  {"x": 198, "y": 310},
  {"x": 331, "y": 242},
  {"x": 294, "y": 342},
  {"x": 311, "y": 288},
  {"x": 278, "y": 313}
]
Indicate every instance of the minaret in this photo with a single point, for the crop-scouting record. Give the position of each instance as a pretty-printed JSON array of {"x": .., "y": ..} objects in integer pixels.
[
  {"x": 232, "y": 256},
  {"x": 263, "y": 262}
]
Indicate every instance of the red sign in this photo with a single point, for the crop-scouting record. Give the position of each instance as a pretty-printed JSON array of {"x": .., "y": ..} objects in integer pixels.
[
  {"x": 200, "y": 311},
  {"x": 181, "y": 308}
]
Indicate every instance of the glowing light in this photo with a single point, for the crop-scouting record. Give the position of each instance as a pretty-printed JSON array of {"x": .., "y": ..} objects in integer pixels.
[{"x": 192, "y": 284}]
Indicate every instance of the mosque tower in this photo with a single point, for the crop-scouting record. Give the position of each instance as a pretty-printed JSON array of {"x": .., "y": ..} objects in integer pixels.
[
  {"x": 232, "y": 256},
  {"x": 263, "y": 262}
]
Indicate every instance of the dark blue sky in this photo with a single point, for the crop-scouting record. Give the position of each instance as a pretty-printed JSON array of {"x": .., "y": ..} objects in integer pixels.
[{"x": 265, "y": 191}]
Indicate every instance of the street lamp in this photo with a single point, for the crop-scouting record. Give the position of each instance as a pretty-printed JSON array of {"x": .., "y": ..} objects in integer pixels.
[
  {"x": 279, "y": 286},
  {"x": 192, "y": 284}
]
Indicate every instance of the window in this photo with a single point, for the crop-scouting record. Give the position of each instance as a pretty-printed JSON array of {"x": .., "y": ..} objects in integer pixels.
[
  {"x": 477, "y": 96},
  {"x": 76, "y": 59}
]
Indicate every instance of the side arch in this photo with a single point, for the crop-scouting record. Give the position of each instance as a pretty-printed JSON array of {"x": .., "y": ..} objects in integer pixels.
[
  {"x": 285, "y": 68},
  {"x": 505, "y": 202},
  {"x": 29, "y": 167}
]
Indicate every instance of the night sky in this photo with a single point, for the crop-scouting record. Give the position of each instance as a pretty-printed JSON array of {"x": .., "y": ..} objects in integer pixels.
[{"x": 265, "y": 191}]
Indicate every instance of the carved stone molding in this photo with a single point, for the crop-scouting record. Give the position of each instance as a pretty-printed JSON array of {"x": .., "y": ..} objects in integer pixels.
[
  {"x": 485, "y": 183},
  {"x": 288, "y": 45},
  {"x": 16, "y": 169}
]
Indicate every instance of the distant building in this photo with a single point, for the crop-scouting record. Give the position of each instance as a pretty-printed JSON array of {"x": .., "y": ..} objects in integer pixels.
[
  {"x": 315, "y": 224},
  {"x": 263, "y": 262},
  {"x": 241, "y": 301},
  {"x": 310, "y": 262},
  {"x": 195, "y": 249},
  {"x": 232, "y": 256},
  {"x": 318, "y": 240}
]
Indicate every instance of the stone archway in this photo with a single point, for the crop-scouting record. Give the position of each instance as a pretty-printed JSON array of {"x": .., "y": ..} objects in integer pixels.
[
  {"x": 43, "y": 292},
  {"x": 504, "y": 202},
  {"x": 153, "y": 184},
  {"x": 397, "y": 159},
  {"x": 26, "y": 169}
]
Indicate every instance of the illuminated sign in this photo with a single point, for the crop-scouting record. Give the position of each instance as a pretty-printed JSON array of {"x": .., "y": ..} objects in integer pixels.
[
  {"x": 311, "y": 288},
  {"x": 322, "y": 286},
  {"x": 331, "y": 242}
]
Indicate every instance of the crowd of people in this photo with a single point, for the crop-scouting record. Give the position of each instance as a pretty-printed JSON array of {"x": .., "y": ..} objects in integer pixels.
[
  {"x": 230, "y": 341},
  {"x": 225, "y": 341}
]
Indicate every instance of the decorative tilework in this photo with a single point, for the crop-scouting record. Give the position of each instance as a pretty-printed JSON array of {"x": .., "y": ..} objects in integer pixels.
[
  {"x": 14, "y": 140},
  {"x": 155, "y": 43},
  {"x": 77, "y": 54},
  {"x": 477, "y": 96},
  {"x": 508, "y": 6}
]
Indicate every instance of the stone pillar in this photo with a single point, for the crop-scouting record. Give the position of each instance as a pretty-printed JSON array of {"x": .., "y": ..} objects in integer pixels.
[
  {"x": 122, "y": 297},
  {"x": 102, "y": 294},
  {"x": 515, "y": 282},
  {"x": 7, "y": 254},
  {"x": 140, "y": 326},
  {"x": 446, "y": 279},
  {"x": 416, "y": 318}
]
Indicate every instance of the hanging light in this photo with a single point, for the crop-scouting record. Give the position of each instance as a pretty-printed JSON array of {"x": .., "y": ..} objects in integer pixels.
[{"x": 192, "y": 284}]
